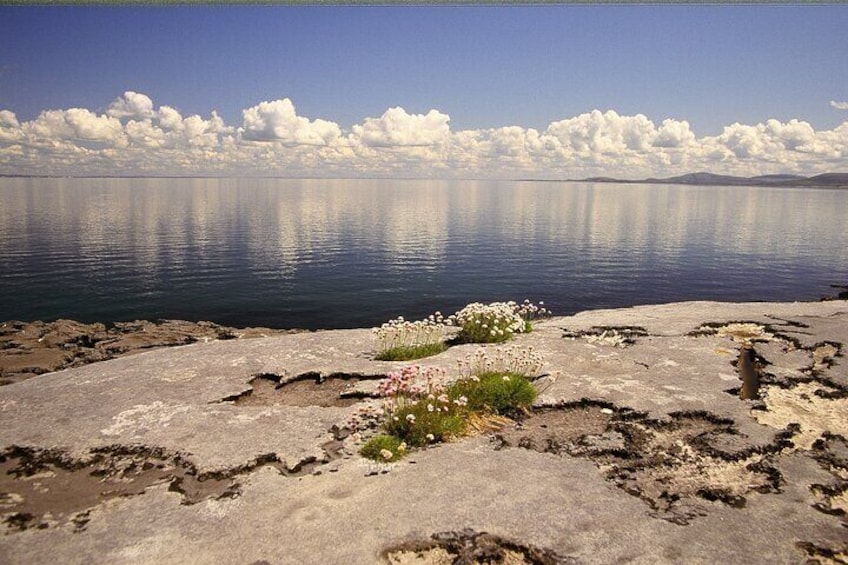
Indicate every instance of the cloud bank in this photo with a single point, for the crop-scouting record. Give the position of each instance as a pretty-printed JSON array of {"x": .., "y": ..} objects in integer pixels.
[{"x": 135, "y": 137}]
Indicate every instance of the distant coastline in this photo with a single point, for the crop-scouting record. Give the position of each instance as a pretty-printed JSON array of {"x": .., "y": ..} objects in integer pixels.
[{"x": 827, "y": 180}]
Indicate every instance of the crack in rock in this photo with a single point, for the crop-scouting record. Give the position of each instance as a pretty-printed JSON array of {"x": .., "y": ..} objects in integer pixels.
[
  {"x": 672, "y": 465},
  {"x": 32, "y": 348},
  {"x": 821, "y": 555},
  {"x": 42, "y": 488},
  {"x": 307, "y": 389},
  {"x": 740, "y": 331},
  {"x": 467, "y": 547},
  {"x": 614, "y": 336}
]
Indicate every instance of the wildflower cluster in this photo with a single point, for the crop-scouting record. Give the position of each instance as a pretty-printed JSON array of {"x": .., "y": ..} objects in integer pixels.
[
  {"x": 401, "y": 340},
  {"x": 524, "y": 361},
  {"x": 498, "y": 381},
  {"x": 529, "y": 311},
  {"x": 419, "y": 409},
  {"x": 495, "y": 322}
]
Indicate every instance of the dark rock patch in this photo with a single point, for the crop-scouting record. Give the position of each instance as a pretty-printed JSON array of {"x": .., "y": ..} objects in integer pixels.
[
  {"x": 467, "y": 547},
  {"x": 41, "y": 488},
  {"x": 28, "y": 349},
  {"x": 831, "y": 452},
  {"x": 821, "y": 555},
  {"x": 621, "y": 336},
  {"x": 673, "y": 465}
]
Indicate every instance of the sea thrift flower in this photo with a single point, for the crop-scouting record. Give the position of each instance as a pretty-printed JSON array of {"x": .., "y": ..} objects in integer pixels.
[
  {"x": 484, "y": 323},
  {"x": 386, "y": 454},
  {"x": 401, "y": 333},
  {"x": 524, "y": 361}
]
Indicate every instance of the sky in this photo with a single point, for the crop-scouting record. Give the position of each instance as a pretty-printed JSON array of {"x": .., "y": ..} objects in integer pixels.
[{"x": 561, "y": 91}]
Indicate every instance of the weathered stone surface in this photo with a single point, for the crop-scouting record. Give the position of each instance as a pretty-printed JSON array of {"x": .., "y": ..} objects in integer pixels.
[
  {"x": 33, "y": 348},
  {"x": 640, "y": 450}
]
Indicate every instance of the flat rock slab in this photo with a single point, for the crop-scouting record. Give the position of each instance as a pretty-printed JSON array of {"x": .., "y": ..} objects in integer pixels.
[
  {"x": 34, "y": 348},
  {"x": 639, "y": 449}
]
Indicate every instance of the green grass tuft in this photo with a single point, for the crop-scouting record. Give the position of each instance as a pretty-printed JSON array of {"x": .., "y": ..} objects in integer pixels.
[
  {"x": 409, "y": 352},
  {"x": 373, "y": 449},
  {"x": 507, "y": 394}
]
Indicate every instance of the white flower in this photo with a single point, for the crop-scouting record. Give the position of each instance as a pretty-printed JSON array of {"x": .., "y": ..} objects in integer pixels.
[
  {"x": 410, "y": 418},
  {"x": 430, "y": 437},
  {"x": 430, "y": 408},
  {"x": 386, "y": 454}
]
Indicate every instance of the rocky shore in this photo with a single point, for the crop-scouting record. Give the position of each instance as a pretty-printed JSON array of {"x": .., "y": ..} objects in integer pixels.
[
  {"x": 34, "y": 348},
  {"x": 696, "y": 432}
]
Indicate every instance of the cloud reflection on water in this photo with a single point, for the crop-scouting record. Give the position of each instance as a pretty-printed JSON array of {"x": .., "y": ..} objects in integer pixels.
[{"x": 124, "y": 247}]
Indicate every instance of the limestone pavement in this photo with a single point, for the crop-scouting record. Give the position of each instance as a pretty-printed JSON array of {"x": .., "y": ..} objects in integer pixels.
[{"x": 639, "y": 449}]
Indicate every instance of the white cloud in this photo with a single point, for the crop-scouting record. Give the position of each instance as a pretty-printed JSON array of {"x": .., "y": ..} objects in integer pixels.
[
  {"x": 74, "y": 124},
  {"x": 604, "y": 133},
  {"x": 133, "y": 136},
  {"x": 8, "y": 119},
  {"x": 396, "y": 128},
  {"x": 169, "y": 119},
  {"x": 10, "y": 129},
  {"x": 673, "y": 133},
  {"x": 839, "y": 105},
  {"x": 278, "y": 121},
  {"x": 131, "y": 105}
]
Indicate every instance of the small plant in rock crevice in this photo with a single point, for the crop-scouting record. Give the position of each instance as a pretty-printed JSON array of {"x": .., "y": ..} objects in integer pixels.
[
  {"x": 525, "y": 361},
  {"x": 385, "y": 448},
  {"x": 504, "y": 394},
  {"x": 419, "y": 409},
  {"x": 495, "y": 322},
  {"x": 402, "y": 340}
]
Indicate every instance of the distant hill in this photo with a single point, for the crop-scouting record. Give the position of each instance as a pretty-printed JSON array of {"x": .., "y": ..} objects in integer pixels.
[{"x": 827, "y": 180}]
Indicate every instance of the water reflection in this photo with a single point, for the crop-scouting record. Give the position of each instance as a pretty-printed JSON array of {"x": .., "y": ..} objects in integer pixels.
[{"x": 271, "y": 251}]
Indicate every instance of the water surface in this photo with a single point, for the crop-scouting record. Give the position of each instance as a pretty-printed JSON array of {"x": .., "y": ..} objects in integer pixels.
[{"x": 350, "y": 253}]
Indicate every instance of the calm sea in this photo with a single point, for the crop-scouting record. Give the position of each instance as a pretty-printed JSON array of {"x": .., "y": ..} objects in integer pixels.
[{"x": 351, "y": 253}]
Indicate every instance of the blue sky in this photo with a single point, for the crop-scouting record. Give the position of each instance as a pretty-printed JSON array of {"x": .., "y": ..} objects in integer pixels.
[{"x": 484, "y": 67}]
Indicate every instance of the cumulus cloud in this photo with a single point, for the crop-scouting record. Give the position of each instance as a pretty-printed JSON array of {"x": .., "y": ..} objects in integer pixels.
[
  {"x": 606, "y": 132},
  {"x": 278, "y": 121},
  {"x": 169, "y": 119},
  {"x": 396, "y": 128},
  {"x": 9, "y": 126},
  {"x": 839, "y": 105},
  {"x": 134, "y": 136},
  {"x": 131, "y": 105},
  {"x": 75, "y": 124},
  {"x": 8, "y": 119},
  {"x": 673, "y": 133}
]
